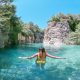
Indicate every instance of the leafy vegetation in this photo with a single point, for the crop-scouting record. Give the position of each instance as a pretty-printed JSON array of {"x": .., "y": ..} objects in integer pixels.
[
  {"x": 30, "y": 29},
  {"x": 10, "y": 24},
  {"x": 73, "y": 20}
]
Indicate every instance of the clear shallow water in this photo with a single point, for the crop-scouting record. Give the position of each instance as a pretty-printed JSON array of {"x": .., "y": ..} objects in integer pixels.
[{"x": 12, "y": 68}]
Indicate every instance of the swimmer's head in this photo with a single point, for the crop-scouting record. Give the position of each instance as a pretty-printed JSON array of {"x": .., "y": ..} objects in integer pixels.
[{"x": 42, "y": 50}]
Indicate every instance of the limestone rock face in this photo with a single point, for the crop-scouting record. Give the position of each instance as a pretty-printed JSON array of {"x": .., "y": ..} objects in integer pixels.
[
  {"x": 56, "y": 33},
  {"x": 38, "y": 38},
  {"x": 3, "y": 39}
]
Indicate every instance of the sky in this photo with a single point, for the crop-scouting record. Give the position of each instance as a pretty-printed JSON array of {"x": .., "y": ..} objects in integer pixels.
[{"x": 40, "y": 11}]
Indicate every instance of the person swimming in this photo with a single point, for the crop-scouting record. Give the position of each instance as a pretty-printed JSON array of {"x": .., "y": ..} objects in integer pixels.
[{"x": 41, "y": 57}]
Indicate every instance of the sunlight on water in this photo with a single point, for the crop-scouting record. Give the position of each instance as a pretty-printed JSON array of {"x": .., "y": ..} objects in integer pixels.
[
  {"x": 12, "y": 68},
  {"x": 56, "y": 44}
]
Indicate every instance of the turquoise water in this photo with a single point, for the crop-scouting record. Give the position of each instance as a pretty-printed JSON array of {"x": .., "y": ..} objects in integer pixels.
[{"x": 13, "y": 68}]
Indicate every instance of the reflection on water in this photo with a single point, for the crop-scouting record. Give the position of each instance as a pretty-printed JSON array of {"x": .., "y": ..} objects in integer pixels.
[{"x": 12, "y": 68}]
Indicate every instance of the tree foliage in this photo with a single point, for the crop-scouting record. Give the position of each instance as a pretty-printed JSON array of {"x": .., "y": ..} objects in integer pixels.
[
  {"x": 9, "y": 22},
  {"x": 73, "y": 20},
  {"x": 30, "y": 29}
]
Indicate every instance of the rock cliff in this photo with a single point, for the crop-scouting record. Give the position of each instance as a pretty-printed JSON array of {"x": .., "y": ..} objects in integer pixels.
[
  {"x": 3, "y": 39},
  {"x": 56, "y": 33},
  {"x": 37, "y": 38}
]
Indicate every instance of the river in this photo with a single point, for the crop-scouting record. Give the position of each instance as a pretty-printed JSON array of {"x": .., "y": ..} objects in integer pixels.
[{"x": 13, "y": 68}]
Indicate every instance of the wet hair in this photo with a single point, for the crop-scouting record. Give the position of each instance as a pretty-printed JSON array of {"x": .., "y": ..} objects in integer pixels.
[{"x": 42, "y": 49}]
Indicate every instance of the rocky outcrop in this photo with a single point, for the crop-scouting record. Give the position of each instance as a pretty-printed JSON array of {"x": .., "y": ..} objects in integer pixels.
[
  {"x": 56, "y": 33},
  {"x": 39, "y": 37},
  {"x": 36, "y": 38},
  {"x": 3, "y": 39},
  {"x": 31, "y": 33}
]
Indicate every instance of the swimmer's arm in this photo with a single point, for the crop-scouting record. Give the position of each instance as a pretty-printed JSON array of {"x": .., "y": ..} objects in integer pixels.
[
  {"x": 29, "y": 57},
  {"x": 32, "y": 56},
  {"x": 56, "y": 57}
]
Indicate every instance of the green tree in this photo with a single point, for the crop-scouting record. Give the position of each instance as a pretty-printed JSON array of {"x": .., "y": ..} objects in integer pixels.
[
  {"x": 30, "y": 29},
  {"x": 9, "y": 22},
  {"x": 73, "y": 21},
  {"x": 54, "y": 18}
]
